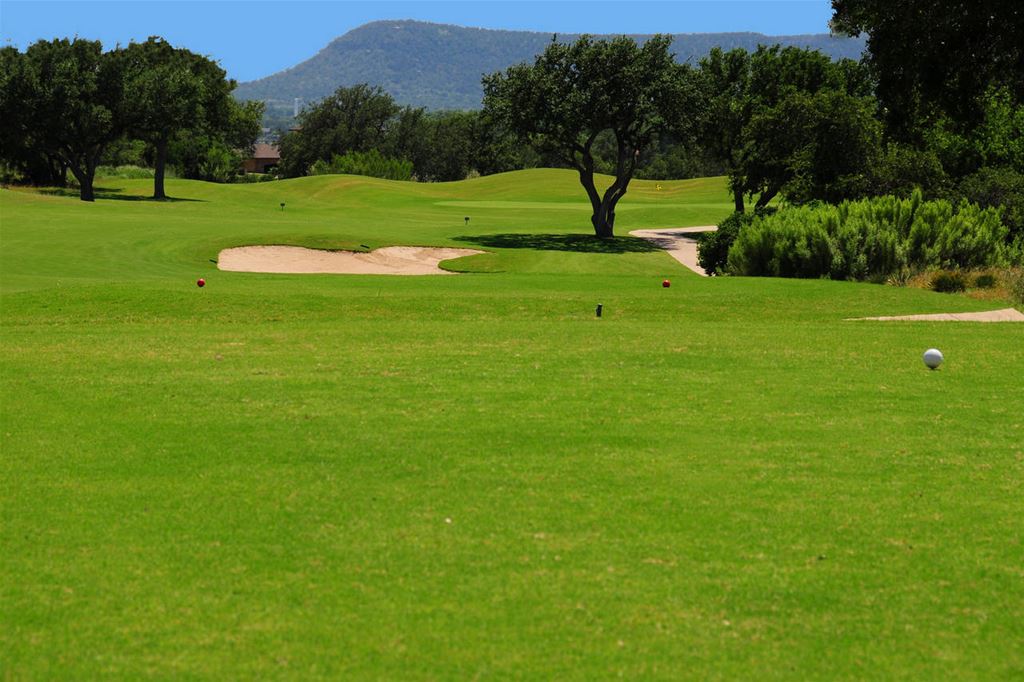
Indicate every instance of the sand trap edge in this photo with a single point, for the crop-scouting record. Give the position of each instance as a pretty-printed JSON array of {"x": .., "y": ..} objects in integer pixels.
[{"x": 1002, "y": 315}]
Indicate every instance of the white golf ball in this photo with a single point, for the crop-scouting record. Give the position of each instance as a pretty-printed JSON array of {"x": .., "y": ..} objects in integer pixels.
[{"x": 932, "y": 358}]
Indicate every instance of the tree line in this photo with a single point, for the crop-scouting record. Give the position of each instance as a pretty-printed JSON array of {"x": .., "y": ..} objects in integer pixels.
[
  {"x": 935, "y": 104},
  {"x": 67, "y": 105},
  {"x": 779, "y": 122}
]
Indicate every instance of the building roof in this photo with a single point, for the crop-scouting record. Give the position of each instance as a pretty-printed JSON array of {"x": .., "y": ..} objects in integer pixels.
[{"x": 266, "y": 151}]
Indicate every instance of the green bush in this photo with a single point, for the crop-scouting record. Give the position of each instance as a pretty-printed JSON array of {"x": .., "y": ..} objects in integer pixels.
[
  {"x": 948, "y": 282},
  {"x": 220, "y": 164},
  {"x": 9, "y": 174},
  {"x": 1017, "y": 287},
  {"x": 248, "y": 178},
  {"x": 985, "y": 280},
  {"x": 713, "y": 247},
  {"x": 371, "y": 164},
  {"x": 871, "y": 239},
  {"x": 127, "y": 171}
]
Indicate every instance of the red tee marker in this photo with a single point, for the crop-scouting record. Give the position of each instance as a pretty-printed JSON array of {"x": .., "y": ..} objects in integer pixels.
[
  {"x": 665, "y": 283},
  {"x": 200, "y": 282}
]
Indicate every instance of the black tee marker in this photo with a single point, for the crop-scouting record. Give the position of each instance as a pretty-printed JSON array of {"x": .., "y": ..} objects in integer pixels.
[{"x": 598, "y": 311}]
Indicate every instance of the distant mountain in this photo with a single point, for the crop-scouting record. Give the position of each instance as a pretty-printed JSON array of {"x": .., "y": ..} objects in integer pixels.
[{"x": 439, "y": 66}]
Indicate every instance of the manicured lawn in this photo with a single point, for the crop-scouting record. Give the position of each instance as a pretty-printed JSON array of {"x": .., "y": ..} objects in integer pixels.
[{"x": 456, "y": 477}]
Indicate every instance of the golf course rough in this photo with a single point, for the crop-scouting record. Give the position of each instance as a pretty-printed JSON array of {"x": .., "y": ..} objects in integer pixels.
[{"x": 322, "y": 476}]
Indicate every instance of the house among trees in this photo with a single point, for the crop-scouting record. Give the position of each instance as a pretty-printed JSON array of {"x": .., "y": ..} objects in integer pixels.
[{"x": 265, "y": 158}]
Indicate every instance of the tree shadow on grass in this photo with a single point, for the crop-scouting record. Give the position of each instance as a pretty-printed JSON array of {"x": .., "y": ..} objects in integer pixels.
[
  {"x": 579, "y": 243},
  {"x": 106, "y": 193}
]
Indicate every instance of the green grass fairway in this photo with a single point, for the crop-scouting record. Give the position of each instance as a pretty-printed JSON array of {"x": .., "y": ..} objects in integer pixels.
[{"x": 350, "y": 477}]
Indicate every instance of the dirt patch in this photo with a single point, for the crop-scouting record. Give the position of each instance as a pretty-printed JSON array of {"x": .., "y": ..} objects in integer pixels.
[
  {"x": 680, "y": 242},
  {"x": 390, "y": 260},
  {"x": 1003, "y": 315}
]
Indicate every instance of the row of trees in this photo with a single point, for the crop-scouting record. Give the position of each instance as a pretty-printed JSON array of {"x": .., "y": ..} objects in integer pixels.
[
  {"x": 935, "y": 104},
  {"x": 774, "y": 120},
  {"x": 67, "y": 103},
  {"x": 777, "y": 122},
  {"x": 441, "y": 146},
  {"x": 450, "y": 145}
]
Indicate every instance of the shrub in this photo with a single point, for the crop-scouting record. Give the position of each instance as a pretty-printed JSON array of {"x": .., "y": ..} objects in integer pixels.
[
  {"x": 871, "y": 239},
  {"x": 900, "y": 278},
  {"x": 127, "y": 171},
  {"x": 247, "y": 178},
  {"x": 9, "y": 175},
  {"x": 985, "y": 280},
  {"x": 371, "y": 164},
  {"x": 1016, "y": 284},
  {"x": 713, "y": 247},
  {"x": 218, "y": 163},
  {"x": 948, "y": 282}
]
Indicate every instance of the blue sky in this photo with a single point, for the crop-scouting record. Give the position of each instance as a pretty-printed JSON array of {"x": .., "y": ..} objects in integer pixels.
[{"x": 252, "y": 39}]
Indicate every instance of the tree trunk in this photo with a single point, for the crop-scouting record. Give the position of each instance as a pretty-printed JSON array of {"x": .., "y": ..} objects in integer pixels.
[
  {"x": 84, "y": 175},
  {"x": 603, "y": 221},
  {"x": 603, "y": 217},
  {"x": 736, "y": 187},
  {"x": 765, "y": 197},
  {"x": 587, "y": 180},
  {"x": 86, "y": 192},
  {"x": 158, "y": 170}
]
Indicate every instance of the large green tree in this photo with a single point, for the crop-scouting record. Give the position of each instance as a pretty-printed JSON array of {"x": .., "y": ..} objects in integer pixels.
[
  {"x": 726, "y": 79},
  {"x": 937, "y": 57},
  {"x": 215, "y": 154},
  {"x": 73, "y": 104},
  {"x": 170, "y": 92},
  {"x": 789, "y": 121},
  {"x": 21, "y": 155},
  {"x": 572, "y": 93},
  {"x": 355, "y": 119}
]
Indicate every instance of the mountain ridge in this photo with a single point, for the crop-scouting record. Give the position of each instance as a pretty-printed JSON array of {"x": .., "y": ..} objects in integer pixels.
[{"x": 439, "y": 66}]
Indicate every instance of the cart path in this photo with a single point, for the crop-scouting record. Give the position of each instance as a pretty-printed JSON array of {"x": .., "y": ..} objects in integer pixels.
[{"x": 680, "y": 242}]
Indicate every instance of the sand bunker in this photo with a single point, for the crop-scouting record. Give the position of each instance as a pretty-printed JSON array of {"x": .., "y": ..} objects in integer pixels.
[
  {"x": 680, "y": 242},
  {"x": 390, "y": 260},
  {"x": 1004, "y": 315}
]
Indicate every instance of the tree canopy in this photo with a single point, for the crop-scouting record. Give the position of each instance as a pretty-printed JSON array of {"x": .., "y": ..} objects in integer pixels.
[
  {"x": 172, "y": 91},
  {"x": 932, "y": 57},
  {"x": 573, "y": 93},
  {"x": 789, "y": 121},
  {"x": 353, "y": 119},
  {"x": 65, "y": 102},
  {"x": 69, "y": 106}
]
